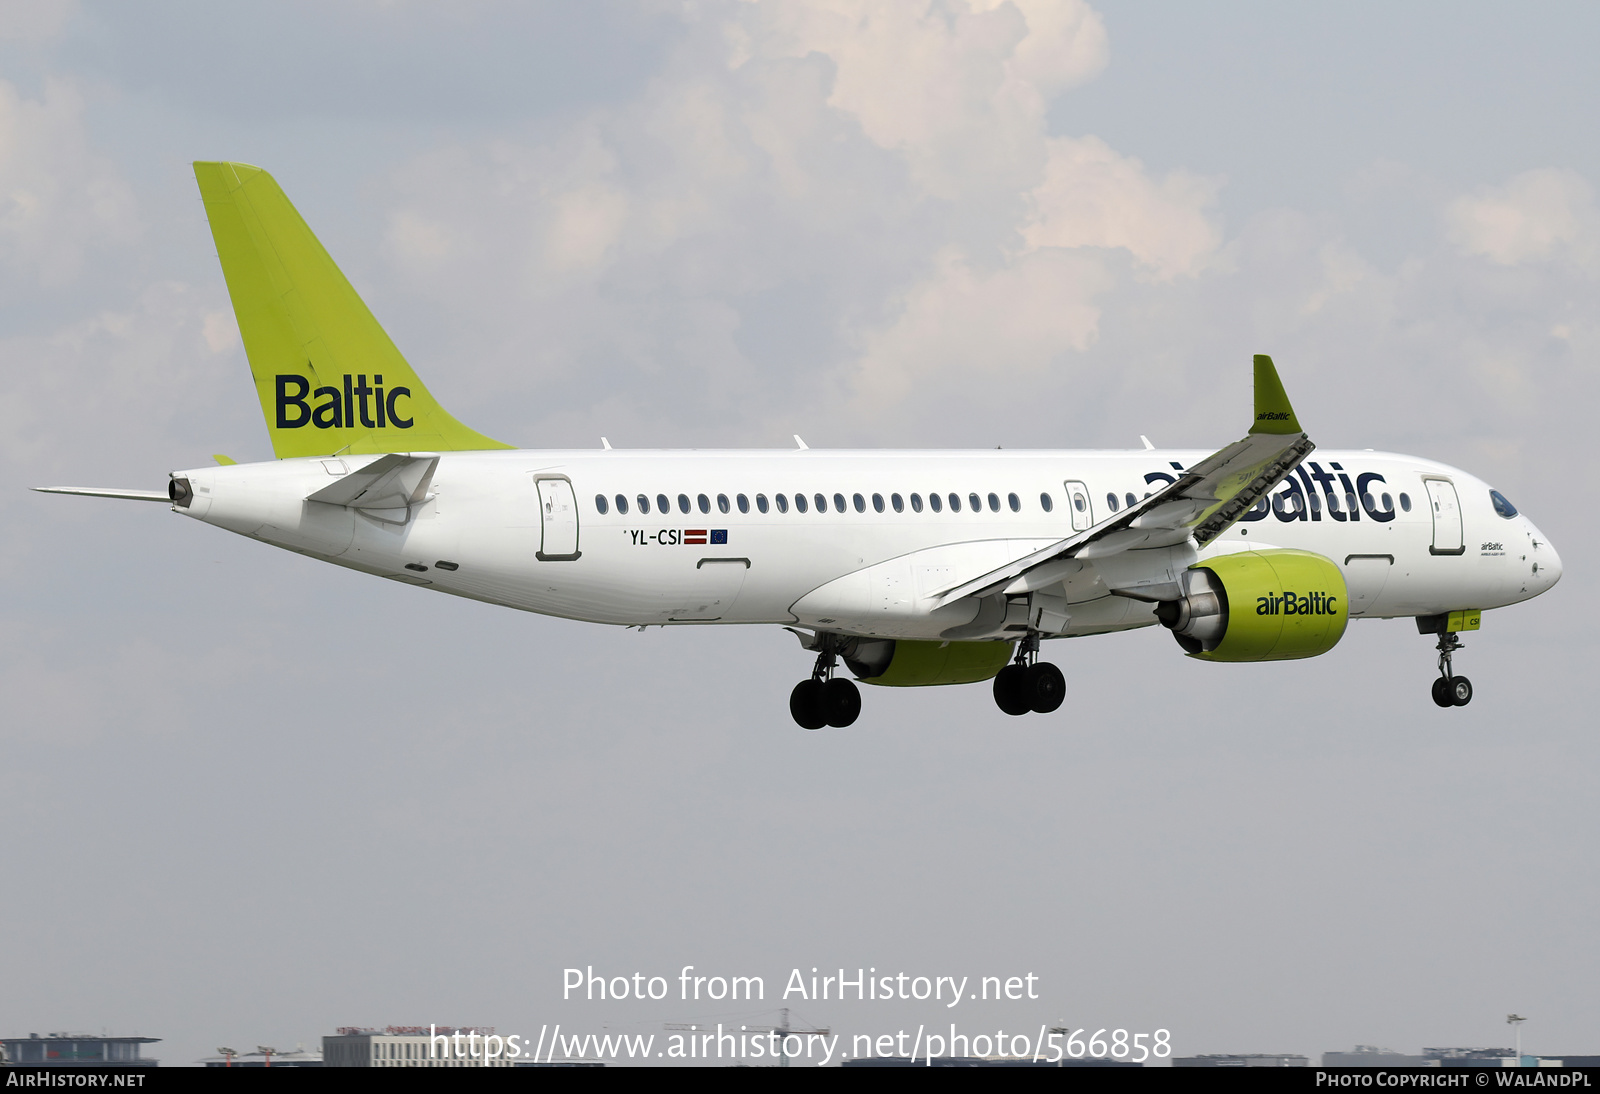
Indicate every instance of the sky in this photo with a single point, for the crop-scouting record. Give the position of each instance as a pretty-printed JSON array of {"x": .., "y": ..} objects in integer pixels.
[{"x": 249, "y": 798}]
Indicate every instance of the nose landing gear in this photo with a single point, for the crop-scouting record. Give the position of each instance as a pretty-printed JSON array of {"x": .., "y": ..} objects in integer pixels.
[
  {"x": 1450, "y": 690},
  {"x": 1028, "y": 684},
  {"x": 822, "y": 700}
]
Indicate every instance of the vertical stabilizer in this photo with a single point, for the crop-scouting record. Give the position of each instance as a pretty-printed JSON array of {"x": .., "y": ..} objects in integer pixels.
[{"x": 329, "y": 378}]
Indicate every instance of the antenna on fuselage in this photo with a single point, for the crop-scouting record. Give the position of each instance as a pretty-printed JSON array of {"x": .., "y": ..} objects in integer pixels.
[
  {"x": 605, "y": 444},
  {"x": 803, "y": 446},
  {"x": 1148, "y": 447}
]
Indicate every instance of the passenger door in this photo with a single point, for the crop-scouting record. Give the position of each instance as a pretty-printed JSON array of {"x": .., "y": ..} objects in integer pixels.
[
  {"x": 1447, "y": 536},
  {"x": 559, "y": 516}
]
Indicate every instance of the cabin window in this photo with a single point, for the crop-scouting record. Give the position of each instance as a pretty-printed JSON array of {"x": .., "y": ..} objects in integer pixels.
[
  {"x": 761, "y": 501},
  {"x": 722, "y": 503},
  {"x": 1046, "y": 502},
  {"x": 838, "y": 503},
  {"x": 1131, "y": 500},
  {"x": 663, "y": 505},
  {"x": 622, "y": 503},
  {"x": 800, "y": 503},
  {"x": 861, "y": 503},
  {"x": 644, "y": 503},
  {"x": 935, "y": 503},
  {"x": 683, "y": 503},
  {"x": 1015, "y": 503},
  {"x": 977, "y": 503},
  {"x": 994, "y": 502},
  {"x": 781, "y": 499},
  {"x": 822, "y": 502},
  {"x": 744, "y": 503},
  {"x": 704, "y": 503},
  {"x": 600, "y": 504},
  {"x": 895, "y": 500},
  {"x": 1112, "y": 503},
  {"x": 955, "y": 503},
  {"x": 916, "y": 503},
  {"x": 1405, "y": 502}
]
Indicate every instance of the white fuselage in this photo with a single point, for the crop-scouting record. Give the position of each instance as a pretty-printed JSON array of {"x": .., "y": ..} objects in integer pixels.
[{"x": 515, "y": 537}]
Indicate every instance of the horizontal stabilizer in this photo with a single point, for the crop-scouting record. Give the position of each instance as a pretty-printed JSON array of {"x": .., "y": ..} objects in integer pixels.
[
  {"x": 394, "y": 481},
  {"x": 99, "y": 492}
]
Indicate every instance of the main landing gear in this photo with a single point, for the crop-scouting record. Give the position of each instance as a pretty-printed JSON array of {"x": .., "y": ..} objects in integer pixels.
[
  {"x": 1450, "y": 690},
  {"x": 822, "y": 700},
  {"x": 1028, "y": 684}
]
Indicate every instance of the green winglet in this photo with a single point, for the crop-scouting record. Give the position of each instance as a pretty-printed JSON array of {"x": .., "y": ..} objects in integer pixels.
[
  {"x": 224, "y": 461},
  {"x": 1273, "y": 412}
]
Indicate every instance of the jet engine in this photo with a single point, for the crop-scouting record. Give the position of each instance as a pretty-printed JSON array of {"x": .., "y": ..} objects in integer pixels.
[{"x": 1273, "y": 605}]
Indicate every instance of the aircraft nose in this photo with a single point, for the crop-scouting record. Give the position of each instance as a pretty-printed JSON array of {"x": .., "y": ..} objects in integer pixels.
[{"x": 1546, "y": 563}]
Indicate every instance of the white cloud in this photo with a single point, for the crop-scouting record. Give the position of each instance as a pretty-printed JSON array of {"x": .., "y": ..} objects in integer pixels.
[
  {"x": 1093, "y": 197},
  {"x": 960, "y": 89},
  {"x": 58, "y": 199},
  {"x": 968, "y": 329},
  {"x": 1536, "y": 216}
]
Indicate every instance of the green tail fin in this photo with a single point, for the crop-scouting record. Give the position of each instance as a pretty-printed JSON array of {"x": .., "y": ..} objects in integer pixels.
[
  {"x": 329, "y": 378},
  {"x": 1273, "y": 412}
]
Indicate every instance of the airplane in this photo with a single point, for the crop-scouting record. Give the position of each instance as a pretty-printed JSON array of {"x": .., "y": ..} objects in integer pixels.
[{"x": 911, "y": 568}]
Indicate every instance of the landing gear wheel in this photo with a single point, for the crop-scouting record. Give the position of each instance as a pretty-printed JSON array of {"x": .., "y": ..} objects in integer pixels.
[
  {"x": 1010, "y": 690},
  {"x": 806, "y": 704},
  {"x": 841, "y": 702},
  {"x": 1460, "y": 691},
  {"x": 1045, "y": 687},
  {"x": 1441, "y": 693}
]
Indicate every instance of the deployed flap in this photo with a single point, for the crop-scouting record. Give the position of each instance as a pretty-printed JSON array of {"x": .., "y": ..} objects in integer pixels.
[
  {"x": 1203, "y": 503},
  {"x": 388, "y": 482}
]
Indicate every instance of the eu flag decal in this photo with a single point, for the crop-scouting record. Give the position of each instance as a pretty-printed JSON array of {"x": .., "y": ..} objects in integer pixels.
[{"x": 719, "y": 535}]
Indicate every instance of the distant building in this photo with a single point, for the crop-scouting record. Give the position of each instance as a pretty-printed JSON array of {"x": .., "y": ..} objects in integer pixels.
[
  {"x": 77, "y": 1050},
  {"x": 1373, "y": 1056},
  {"x": 414, "y": 1046},
  {"x": 1251, "y": 1059},
  {"x": 265, "y": 1057}
]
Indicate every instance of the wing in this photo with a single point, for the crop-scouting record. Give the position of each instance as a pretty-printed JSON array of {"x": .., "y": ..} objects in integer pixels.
[{"x": 1200, "y": 506}]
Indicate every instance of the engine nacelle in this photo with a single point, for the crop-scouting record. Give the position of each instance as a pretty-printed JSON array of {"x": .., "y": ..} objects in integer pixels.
[
  {"x": 904, "y": 663},
  {"x": 1273, "y": 605}
]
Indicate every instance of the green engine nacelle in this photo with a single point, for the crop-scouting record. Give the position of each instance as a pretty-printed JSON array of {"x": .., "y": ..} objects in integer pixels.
[
  {"x": 901, "y": 663},
  {"x": 1273, "y": 605}
]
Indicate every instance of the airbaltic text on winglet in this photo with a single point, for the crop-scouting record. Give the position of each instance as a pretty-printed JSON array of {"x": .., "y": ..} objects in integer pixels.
[
  {"x": 338, "y": 409},
  {"x": 1272, "y": 416}
]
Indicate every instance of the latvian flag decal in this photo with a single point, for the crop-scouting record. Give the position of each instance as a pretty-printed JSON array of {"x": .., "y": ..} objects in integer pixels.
[{"x": 697, "y": 536}]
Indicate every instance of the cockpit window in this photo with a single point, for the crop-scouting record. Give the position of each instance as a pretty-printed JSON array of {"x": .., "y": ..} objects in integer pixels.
[{"x": 1501, "y": 505}]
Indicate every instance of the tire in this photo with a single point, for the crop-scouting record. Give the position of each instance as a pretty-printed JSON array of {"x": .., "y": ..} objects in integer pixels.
[
  {"x": 841, "y": 702},
  {"x": 1441, "y": 693},
  {"x": 1460, "y": 691},
  {"x": 1045, "y": 687},
  {"x": 805, "y": 705},
  {"x": 1009, "y": 693}
]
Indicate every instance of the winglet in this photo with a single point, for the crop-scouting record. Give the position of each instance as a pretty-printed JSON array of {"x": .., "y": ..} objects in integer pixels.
[{"x": 1273, "y": 412}]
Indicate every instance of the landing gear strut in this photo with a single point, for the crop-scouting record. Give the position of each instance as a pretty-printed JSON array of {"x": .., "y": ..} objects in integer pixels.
[
  {"x": 1028, "y": 683},
  {"x": 1450, "y": 690},
  {"x": 822, "y": 700}
]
